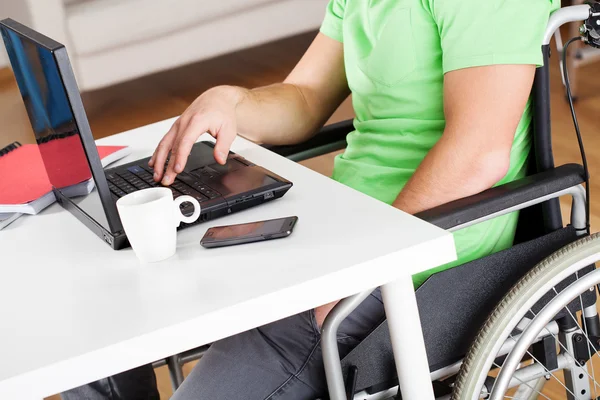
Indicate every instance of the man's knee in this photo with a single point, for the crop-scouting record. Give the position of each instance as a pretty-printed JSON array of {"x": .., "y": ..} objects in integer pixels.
[{"x": 259, "y": 363}]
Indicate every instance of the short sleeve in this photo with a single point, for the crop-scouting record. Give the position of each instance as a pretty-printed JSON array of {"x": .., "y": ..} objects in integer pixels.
[
  {"x": 334, "y": 16},
  {"x": 482, "y": 32}
]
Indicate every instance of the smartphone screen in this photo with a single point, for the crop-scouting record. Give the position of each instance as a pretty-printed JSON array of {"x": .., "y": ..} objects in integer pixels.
[{"x": 250, "y": 232}]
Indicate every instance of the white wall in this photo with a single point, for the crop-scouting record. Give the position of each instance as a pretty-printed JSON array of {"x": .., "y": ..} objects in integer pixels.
[{"x": 17, "y": 10}]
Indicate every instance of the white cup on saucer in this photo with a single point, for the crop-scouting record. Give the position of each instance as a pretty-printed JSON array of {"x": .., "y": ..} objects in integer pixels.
[{"x": 150, "y": 218}]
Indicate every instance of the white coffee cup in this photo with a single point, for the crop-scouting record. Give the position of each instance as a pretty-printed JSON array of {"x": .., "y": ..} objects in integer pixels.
[{"x": 150, "y": 218}]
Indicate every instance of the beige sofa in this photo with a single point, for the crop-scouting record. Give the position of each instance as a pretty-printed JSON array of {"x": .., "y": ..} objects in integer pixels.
[{"x": 111, "y": 41}]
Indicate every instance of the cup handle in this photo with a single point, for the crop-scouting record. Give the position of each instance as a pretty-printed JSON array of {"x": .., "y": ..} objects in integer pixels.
[{"x": 179, "y": 217}]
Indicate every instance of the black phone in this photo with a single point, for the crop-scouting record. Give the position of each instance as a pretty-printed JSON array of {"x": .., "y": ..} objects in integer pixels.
[{"x": 259, "y": 231}]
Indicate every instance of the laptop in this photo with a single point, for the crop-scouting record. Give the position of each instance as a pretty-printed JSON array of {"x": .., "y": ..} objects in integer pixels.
[{"x": 53, "y": 102}]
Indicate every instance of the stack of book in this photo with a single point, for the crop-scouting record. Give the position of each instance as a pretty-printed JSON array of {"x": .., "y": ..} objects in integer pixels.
[{"x": 24, "y": 184}]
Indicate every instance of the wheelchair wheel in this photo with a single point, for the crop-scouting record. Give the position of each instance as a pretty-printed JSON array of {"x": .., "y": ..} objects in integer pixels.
[{"x": 543, "y": 308}]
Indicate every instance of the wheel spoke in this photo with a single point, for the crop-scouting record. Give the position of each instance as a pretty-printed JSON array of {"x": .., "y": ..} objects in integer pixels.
[
  {"x": 567, "y": 351},
  {"x": 549, "y": 372},
  {"x": 588, "y": 340},
  {"x": 593, "y": 378},
  {"x": 564, "y": 349},
  {"x": 523, "y": 383},
  {"x": 579, "y": 326}
]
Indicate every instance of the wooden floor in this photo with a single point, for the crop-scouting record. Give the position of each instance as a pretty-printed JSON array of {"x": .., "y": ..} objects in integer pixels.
[{"x": 167, "y": 94}]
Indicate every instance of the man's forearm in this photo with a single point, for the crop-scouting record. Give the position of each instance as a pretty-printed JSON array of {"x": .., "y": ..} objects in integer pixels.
[
  {"x": 292, "y": 111},
  {"x": 447, "y": 174},
  {"x": 277, "y": 114}
]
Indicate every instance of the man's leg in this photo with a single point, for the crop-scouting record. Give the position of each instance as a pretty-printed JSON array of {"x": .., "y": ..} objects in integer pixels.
[
  {"x": 137, "y": 384},
  {"x": 281, "y": 360}
]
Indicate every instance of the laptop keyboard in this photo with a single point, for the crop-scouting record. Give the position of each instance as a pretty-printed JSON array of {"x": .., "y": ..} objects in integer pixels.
[{"x": 137, "y": 178}]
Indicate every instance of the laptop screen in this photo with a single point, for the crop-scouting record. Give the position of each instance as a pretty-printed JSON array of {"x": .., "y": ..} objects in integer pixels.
[{"x": 54, "y": 125}]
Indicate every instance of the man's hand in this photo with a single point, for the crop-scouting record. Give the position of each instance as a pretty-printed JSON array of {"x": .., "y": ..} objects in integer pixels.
[
  {"x": 212, "y": 112},
  {"x": 285, "y": 113},
  {"x": 483, "y": 107}
]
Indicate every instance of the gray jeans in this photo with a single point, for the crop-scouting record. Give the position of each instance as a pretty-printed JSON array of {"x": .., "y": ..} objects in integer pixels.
[{"x": 281, "y": 360}]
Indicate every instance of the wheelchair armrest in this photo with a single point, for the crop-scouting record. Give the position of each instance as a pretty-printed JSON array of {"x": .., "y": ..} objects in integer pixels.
[
  {"x": 330, "y": 138},
  {"x": 463, "y": 211}
]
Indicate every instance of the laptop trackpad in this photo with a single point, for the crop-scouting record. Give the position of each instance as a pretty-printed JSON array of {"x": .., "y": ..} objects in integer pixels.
[
  {"x": 210, "y": 171},
  {"x": 239, "y": 181}
]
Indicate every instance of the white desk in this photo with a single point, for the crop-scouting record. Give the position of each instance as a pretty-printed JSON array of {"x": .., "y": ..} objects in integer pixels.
[{"x": 72, "y": 310}]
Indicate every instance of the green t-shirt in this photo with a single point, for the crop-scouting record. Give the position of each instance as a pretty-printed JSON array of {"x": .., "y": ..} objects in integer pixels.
[{"x": 396, "y": 53}]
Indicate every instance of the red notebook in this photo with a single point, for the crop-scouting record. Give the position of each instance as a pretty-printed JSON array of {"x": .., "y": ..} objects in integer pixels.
[{"x": 24, "y": 183}]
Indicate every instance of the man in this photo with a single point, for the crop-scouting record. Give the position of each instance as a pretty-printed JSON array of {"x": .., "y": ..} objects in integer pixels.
[{"x": 441, "y": 95}]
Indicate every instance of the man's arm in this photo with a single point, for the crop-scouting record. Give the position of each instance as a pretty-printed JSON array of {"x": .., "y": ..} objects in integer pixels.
[
  {"x": 300, "y": 105},
  {"x": 483, "y": 107},
  {"x": 285, "y": 113}
]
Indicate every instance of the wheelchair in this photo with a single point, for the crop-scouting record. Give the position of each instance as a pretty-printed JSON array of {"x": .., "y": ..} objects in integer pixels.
[{"x": 541, "y": 292}]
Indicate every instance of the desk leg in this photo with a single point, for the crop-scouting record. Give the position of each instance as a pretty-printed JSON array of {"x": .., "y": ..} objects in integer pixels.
[{"x": 406, "y": 335}]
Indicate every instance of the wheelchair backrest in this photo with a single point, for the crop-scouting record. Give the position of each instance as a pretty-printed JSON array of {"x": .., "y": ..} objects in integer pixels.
[{"x": 544, "y": 218}]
